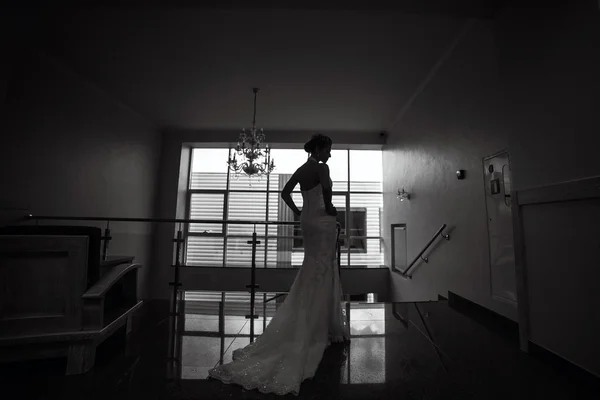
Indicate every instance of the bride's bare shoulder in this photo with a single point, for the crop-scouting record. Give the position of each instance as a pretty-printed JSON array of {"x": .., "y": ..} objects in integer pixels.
[
  {"x": 305, "y": 168},
  {"x": 307, "y": 175}
]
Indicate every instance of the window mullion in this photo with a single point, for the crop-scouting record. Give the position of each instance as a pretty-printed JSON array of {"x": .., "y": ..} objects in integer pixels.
[
  {"x": 225, "y": 228},
  {"x": 348, "y": 211}
]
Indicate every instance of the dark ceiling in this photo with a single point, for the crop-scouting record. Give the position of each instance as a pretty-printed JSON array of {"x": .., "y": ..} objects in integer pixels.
[
  {"x": 318, "y": 69},
  {"x": 465, "y": 8}
]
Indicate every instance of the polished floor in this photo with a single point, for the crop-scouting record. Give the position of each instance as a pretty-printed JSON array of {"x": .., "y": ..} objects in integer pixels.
[{"x": 397, "y": 351}]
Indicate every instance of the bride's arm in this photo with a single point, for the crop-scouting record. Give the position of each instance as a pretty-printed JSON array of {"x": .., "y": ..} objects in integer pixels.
[{"x": 286, "y": 194}]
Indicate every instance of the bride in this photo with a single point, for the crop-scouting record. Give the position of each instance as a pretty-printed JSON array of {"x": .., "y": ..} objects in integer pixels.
[{"x": 291, "y": 347}]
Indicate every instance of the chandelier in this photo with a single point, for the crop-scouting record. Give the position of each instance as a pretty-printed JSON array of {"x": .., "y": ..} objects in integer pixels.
[{"x": 254, "y": 161}]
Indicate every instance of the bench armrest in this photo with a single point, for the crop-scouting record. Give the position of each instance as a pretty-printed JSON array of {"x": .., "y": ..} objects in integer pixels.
[
  {"x": 99, "y": 289},
  {"x": 94, "y": 314}
]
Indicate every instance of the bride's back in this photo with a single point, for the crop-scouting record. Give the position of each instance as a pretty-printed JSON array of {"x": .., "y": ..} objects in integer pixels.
[{"x": 308, "y": 175}]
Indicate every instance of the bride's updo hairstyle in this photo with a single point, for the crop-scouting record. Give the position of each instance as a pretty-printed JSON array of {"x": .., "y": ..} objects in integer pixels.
[{"x": 317, "y": 141}]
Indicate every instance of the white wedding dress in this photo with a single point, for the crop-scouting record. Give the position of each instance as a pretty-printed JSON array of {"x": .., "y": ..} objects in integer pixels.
[{"x": 290, "y": 349}]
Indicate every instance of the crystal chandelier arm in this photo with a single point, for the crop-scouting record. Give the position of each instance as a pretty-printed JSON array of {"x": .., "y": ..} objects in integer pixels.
[{"x": 256, "y": 161}]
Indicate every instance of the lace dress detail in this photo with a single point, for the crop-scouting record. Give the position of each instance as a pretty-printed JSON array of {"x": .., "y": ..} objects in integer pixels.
[{"x": 311, "y": 317}]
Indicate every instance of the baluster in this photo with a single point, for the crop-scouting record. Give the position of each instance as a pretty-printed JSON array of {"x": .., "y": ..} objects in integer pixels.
[
  {"x": 175, "y": 314},
  {"x": 222, "y": 327},
  {"x": 107, "y": 238},
  {"x": 253, "y": 286},
  {"x": 264, "y": 311},
  {"x": 339, "y": 250}
]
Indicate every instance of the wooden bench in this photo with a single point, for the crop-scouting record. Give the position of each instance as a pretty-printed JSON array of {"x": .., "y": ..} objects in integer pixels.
[{"x": 48, "y": 306}]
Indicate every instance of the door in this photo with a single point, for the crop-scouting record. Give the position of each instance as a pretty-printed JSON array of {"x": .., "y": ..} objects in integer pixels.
[{"x": 500, "y": 230}]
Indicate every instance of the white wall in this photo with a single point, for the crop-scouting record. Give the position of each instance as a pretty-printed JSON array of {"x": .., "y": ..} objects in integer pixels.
[
  {"x": 561, "y": 262},
  {"x": 527, "y": 82},
  {"x": 451, "y": 125},
  {"x": 550, "y": 63},
  {"x": 67, "y": 149}
]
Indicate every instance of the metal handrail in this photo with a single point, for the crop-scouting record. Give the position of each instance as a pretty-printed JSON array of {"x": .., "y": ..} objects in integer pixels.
[
  {"x": 176, "y": 283},
  {"x": 274, "y": 297},
  {"x": 419, "y": 256},
  {"x": 164, "y": 220}
]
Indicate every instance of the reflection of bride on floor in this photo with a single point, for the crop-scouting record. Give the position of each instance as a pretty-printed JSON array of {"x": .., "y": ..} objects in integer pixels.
[{"x": 291, "y": 347}]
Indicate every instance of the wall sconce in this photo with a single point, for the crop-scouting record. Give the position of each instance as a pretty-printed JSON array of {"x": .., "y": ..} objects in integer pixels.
[{"x": 402, "y": 195}]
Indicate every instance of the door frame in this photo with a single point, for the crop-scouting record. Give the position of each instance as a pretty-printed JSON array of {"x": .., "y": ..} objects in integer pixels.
[{"x": 487, "y": 223}]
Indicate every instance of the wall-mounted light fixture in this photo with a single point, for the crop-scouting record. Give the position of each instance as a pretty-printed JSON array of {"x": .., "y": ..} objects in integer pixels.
[{"x": 402, "y": 195}]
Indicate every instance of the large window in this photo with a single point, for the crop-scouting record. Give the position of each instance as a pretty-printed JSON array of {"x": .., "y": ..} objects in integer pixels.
[{"x": 216, "y": 194}]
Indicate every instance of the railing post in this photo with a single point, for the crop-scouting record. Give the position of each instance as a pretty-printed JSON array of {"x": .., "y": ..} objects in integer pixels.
[
  {"x": 339, "y": 250},
  {"x": 348, "y": 313},
  {"x": 253, "y": 286},
  {"x": 264, "y": 310},
  {"x": 175, "y": 315},
  {"x": 222, "y": 329},
  {"x": 107, "y": 238},
  {"x": 221, "y": 317},
  {"x": 176, "y": 284}
]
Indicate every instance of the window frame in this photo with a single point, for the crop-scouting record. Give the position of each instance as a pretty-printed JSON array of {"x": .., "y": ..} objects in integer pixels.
[
  {"x": 362, "y": 238},
  {"x": 225, "y": 229}
]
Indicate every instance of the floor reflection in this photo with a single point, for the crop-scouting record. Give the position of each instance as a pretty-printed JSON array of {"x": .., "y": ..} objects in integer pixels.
[
  {"x": 367, "y": 319},
  {"x": 366, "y": 361},
  {"x": 402, "y": 350},
  {"x": 199, "y": 354},
  {"x": 203, "y": 346}
]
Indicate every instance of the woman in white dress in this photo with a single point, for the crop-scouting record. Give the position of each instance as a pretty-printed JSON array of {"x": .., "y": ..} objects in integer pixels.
[{"x": 291, "y": 347}]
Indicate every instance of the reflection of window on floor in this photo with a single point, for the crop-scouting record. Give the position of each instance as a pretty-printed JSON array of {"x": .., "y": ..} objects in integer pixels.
[
  {"x": 366, "y": 363},
  {"x": 199, "y": 354},
  {"x": 202, "y": 348},
  {"x": 202, "y": 312},
  {"x": 367, "y": 319}
]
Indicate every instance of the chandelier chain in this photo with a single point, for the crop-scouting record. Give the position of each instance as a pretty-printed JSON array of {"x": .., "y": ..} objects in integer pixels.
[{"x": 253, "y": 161}]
